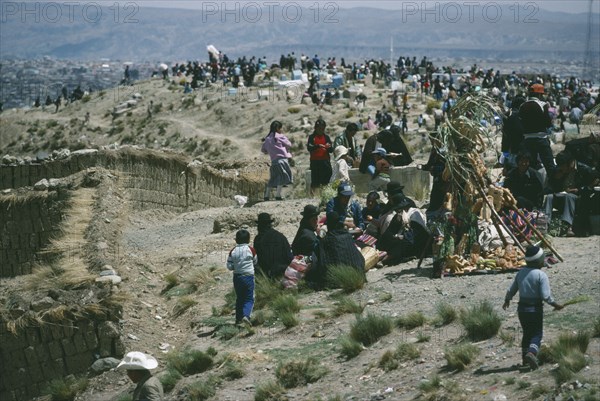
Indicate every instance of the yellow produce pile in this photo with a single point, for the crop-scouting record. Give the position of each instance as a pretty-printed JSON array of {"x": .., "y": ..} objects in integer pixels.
[{"x": 499, "y": 259}]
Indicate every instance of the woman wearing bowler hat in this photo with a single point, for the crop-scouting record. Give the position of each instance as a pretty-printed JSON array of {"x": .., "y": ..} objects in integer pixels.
[
  {"x": 272, "y": 247},
  {"x": 306, "y": 240}
]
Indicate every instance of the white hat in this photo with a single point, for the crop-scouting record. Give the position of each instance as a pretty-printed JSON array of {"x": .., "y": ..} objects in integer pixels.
[
  {"x": 340, "y": 151},
  {"x": 137, "y": 361}
]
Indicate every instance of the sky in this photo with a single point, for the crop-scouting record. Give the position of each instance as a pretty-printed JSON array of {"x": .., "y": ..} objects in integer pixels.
[{"x": 569, "y": 6}]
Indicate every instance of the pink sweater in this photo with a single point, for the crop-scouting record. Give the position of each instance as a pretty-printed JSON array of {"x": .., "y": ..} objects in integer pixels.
[{"x": 277, "y": 146}]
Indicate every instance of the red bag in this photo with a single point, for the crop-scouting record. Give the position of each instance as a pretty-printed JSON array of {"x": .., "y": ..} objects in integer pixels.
[{"x": 295, "y": 271}]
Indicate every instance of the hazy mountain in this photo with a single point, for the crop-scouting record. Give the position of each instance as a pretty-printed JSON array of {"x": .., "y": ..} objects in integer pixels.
[{"x": 171, "y": 34}]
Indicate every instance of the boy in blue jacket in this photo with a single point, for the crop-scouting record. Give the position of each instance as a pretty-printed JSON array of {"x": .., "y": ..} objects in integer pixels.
[{"x": 534, "y": 289}]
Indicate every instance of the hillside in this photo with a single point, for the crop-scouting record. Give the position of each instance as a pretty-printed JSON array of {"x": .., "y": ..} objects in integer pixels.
[{"x": 176, "y": 293}]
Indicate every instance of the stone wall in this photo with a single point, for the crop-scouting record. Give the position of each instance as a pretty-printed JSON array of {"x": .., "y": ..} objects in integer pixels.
[
  {"x": 152, "y": 179},
  {"x": 27, "y": 223},
  {"x": 38, "y": 355}
]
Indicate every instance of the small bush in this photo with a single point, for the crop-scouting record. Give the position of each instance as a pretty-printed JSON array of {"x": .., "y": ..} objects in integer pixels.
[
  {"x": 367, "y": 330},
  {"x": 265, "y": 291},
  {"x": 522, "y": 384},
  {"x": 183, "y": 304},
  {"x": 430, "y": 385},
  {"x": 294, "y": 110},
  {"x": 66, "y": 389},
  {"x": 446, "y": 313},
  {"x": 202, "y": 390},
  {"x": 169, "y": 379},
  {"x": 507, "y": 338},
  {"x": 422, "y": 337},
  {"x": 350, "y": 348},
  {"x": 289, "y": 319},
  {"x": 347, "y": 278},
  {"x": 596, "y": 328},
  {"x": 460, "y": 356},
  {"x": 564, "y": 345},
  {"x": 227, "y": 332},
  {"x": 481, "y": 321},
  {"x": 405, "y": 352},
  {"x": 299, "y": 373},
  {"x": 172, "y": 281},
  {"x": 509, "y": 381},
  {"x": 346, "y": 305},
  {"x": 388, "y": 361},
  {"x": 270, "y": 391},
  {"x": 411, "y": 321},
  {"x": 285, "y": 303},
  {"x": 232, "y": 371},
  {"x": 260, "y": 317},
  {"x": 539, "y": 390},
  {"x": 189, "y": 361}
]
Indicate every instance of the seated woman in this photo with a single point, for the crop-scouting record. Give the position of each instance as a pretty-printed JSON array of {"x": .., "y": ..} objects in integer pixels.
[
  {"x": 337, "y": 248},
  {"x": 272, "y": 248},
  {"x": 306, "y": 241},
  {"x": 373, "y": 208},
  {"x": 406, "y": 235},
  {"x": 525, "y": 184}
]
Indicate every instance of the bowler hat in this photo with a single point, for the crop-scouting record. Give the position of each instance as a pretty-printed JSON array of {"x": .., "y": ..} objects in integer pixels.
[
  {"x": 310, "y": 211},
  {"x": 394, "y": 187},
  {"x": 264, "y": 218}
]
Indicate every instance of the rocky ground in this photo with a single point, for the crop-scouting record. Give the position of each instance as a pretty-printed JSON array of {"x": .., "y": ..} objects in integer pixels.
[{"x": 155, "y": 244}]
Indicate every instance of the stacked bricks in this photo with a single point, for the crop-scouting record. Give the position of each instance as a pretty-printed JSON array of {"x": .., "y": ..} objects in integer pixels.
[{"x": 38, "y": 355}]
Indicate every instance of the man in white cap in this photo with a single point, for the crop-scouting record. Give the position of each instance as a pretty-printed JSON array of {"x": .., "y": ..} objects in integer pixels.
[
  {"x": 138, "y": 366},
  {"x": 534, "y": 289}
]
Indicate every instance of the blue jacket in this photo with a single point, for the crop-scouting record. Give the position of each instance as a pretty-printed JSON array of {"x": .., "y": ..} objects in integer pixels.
[{"x": 353, "y": 210}]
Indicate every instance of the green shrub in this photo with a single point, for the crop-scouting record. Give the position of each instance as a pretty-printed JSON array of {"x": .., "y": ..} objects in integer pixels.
[
  {"x": 232, "y": 371},
  {"x": 202, "y": 390},
  {"x": 564, "y": 345},
  {"x": 65, "y": 389},
  {"x": 388, "y": 361},
  {"x": 189, "y": 361},
  {"x": 523, "y": 384},
  {"x": 350, "y": 348},
  {"x": 289, "y": 319},
  {"x": 183, "y": 304},
  {"x": 294, "y": 110},
  {"x": 458, "y": 357},
  {"x": 596, "y": 328},
  {"x": 445, "y": 313},
  {"x": 405, "y": 352},
  {"x": 430, "y": 385},
  {"x": 539, "y": 390},
  {"x": 422, "y": 337},
  {"x": 227, "y": 332},
  {"x": 346, "y": 305},
  {"x": 347, "y": 278},
  {"x": 481, "y": 321},
  {"x": 509, "y": 381},
  {"x": 266, "y": 290},
  {"x": 299, "y": 373},
  {"x": 367, "y": 330},
  {"x": 411, "y": 321},
  {"x": 270, "y": 391},
  {"x": 169, "y": 379},
  {"x": 285, "y": 303}
]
